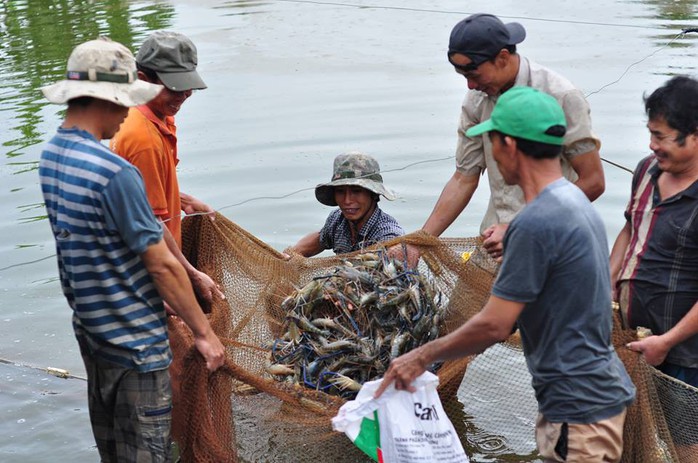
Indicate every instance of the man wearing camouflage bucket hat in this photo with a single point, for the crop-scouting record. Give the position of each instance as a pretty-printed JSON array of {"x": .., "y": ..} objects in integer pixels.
[
  {"x": 581, "y": 385},
  {"x": 356, "y": 187},
  {"x": 114, "y": 266}
]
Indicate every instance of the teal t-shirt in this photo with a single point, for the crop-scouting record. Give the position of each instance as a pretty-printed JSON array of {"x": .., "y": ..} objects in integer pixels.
[{"x": 556, "y": 263}]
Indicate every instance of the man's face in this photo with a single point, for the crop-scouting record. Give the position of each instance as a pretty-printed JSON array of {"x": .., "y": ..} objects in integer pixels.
[
  {"x": 168, "y": 102},
  {"x": 354, "y": 202},
  {"x": 672, "y": 155},
  {"x": 488, "y": 77},
  {"x": 114, "y": 115}
]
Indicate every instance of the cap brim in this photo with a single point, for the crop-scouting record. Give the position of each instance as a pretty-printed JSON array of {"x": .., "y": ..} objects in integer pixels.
[
  {"x": 133, "y": 94},
  {"x": 479, "y": 129},
  {"x": 182, "y": 81},
  {"x": 517, "y": 33},
  {"x": 325, "y": 192}
]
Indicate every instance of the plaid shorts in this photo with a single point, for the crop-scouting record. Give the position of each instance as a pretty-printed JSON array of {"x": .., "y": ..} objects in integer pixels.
[{"x": 130, "y": 412}]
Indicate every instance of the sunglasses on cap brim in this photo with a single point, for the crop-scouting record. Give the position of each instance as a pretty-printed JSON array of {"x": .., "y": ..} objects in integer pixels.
[{"x": 475, "y": 62}]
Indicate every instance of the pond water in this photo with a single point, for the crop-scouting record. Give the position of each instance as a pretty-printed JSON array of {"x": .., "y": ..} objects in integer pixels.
[{"x": 291, "y": 84}]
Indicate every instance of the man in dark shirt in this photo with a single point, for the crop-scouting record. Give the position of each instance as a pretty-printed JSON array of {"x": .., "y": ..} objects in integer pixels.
[
  {"x": 655, "y": 257},
  {"x": 356, "y": 187}
]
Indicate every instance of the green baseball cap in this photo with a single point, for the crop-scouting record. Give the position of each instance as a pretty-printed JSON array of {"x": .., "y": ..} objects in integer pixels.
[{"x": 527, "y": 113}]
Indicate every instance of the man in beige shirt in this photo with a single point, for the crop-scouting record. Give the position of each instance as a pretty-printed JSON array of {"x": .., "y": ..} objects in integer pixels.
[{"x": 483, "y": 50}]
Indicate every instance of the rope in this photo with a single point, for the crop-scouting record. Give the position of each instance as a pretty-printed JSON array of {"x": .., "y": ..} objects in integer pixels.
[
  {"x": 57, "y": 372},
  {"x": 527, "y": 18},
  {"x": 312, "y": 188},
  {"x": 681, "y": 34},
  {"x": 465, "y": 13},
  {"x": 426, "y": 10}
]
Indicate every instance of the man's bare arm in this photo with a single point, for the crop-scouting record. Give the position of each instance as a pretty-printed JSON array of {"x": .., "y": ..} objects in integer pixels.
[
  {"x": 454, "y": 198},
  {"x": 492, "y": 324},
  {"x": 174, "y": 287},
  {"x": 656, "y": 348},
  {"x": 590, "y": 171},
  {"x": 309, "y": 245},
  {"x": 203, "y": 284},
  {"x": 618, "y": 252}
]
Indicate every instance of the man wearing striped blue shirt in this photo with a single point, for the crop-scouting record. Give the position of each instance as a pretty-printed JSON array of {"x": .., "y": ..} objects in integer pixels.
[{"x": 115, "y": 269}]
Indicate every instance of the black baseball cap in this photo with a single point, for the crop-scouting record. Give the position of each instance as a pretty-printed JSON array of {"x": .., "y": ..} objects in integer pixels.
[{"x": 481, "y": 36}]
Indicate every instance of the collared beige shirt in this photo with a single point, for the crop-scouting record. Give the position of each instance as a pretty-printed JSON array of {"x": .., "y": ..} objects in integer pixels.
[{"x": 474, "y": 155}]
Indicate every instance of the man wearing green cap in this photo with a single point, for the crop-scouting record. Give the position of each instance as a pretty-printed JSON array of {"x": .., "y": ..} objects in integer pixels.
[
  {"x": 554, "y": 284},
  {"x": 356, "y": 187}
]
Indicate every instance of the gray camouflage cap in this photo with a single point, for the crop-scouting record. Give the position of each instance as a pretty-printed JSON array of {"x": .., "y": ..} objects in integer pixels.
[
  {"x": 353, "y": 168},
  {"x": 173, "y": 58}
]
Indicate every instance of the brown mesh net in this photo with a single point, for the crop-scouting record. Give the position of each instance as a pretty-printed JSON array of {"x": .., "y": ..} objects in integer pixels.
[{"x": 241, "y": 413}]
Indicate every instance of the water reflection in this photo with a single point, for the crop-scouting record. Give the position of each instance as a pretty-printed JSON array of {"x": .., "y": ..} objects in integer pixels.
[
  {"x": 676, "y": 10},
  {"x": 242, "y": 7},
  {"x": 36, "y": 37},
  {"x": 480, "y": 445},
  {"x": 675, "y": 15}
]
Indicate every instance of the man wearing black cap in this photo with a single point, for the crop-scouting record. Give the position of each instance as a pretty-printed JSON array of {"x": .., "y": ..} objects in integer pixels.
[{"x": 483, "y": 50}]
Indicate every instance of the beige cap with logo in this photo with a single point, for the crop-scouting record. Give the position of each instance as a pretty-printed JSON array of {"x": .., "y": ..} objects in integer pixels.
[{"x": 105, "y": 70}]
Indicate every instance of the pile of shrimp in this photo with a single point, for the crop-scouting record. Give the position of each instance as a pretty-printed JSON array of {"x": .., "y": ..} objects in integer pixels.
[{"x": 343, "y": 329}]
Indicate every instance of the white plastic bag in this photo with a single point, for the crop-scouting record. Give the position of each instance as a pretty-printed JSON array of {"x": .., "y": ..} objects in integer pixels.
[{"x": 400, "y": 426}]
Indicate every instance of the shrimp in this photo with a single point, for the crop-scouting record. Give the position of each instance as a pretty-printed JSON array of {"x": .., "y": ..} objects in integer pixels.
[
  {"x": 280, "y": 369},
  {"x": 344, "y": 383}
]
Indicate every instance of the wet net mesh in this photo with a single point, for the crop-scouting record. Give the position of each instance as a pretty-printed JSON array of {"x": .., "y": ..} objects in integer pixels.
[{"x": 242, "y": 413}]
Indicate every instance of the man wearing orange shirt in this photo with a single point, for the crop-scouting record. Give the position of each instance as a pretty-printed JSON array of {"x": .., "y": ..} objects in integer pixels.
[{"x": 148, "y": 139}]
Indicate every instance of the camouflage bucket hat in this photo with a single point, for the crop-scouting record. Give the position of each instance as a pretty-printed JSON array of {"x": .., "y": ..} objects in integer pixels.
[
  {"x": 102, "y": 69},
  {"x": 353, "y": 168}
]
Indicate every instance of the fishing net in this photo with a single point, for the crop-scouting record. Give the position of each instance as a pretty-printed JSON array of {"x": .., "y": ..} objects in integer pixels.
[{"x": 244, "y": 413}]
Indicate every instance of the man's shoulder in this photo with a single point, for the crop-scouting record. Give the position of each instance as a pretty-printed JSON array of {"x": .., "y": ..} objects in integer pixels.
[
  {"x": 135, "y": 129},
  {"x": 381, "y": 226},
  {"x": 134, "y": 120},
  {"x": 475, "y": 101},
  {"x": 645, "y": 166},
  {"x": 334, "y": 218},
  {"x": 382, "y": 215},
  {"x": 549, "y": 81},
  {"x": 562, "y": 195},
  {"x": 75, "y": 146}
]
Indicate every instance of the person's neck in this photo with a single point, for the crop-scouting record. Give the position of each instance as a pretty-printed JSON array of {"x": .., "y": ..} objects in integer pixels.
[
  {"x": 162, "y": 117},
  {"x": 84, "y": 118},
  {"x": 536, "y": 175},
  {"x": 512, "y": 72},
  {"x": 355, "y": 225},
  {"x": 672, "y": 183}
]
